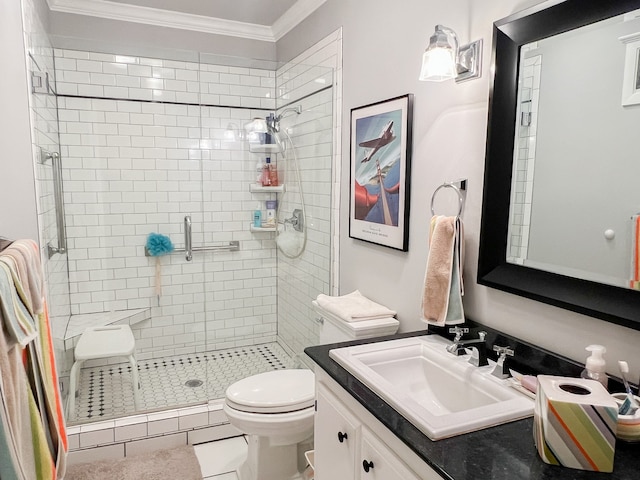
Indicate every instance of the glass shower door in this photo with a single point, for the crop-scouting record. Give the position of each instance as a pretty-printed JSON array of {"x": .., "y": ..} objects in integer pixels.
[{"x": 132, "y": 167}]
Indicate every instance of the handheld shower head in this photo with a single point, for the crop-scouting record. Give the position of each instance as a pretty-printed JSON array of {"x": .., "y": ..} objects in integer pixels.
[{"x": 273, "y": 122}]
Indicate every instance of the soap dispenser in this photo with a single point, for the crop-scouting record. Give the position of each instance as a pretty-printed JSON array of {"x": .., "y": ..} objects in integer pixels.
[{"x": 595, "y": 365}]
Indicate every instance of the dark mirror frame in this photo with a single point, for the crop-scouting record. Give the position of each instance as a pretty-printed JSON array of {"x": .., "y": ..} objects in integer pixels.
[{"x": 614, "y": 304}]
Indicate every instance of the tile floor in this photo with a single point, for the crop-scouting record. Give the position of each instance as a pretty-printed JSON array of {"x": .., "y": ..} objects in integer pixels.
[
  {"x": 219, "y": 460},
  {"x": 105, "y": 392}
]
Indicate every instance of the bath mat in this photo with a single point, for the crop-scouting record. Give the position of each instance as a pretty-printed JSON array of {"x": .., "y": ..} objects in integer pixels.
[{"x": 168, "y": 464}]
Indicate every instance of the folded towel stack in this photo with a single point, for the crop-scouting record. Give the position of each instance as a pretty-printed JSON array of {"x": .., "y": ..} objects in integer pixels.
[{"x": 354, "y": 307}]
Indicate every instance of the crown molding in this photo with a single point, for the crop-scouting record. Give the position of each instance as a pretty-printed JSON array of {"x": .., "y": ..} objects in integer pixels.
[
  {"x": 187, "y": 21},
  {"x": 164, "y": 18},
  {"x": 292, "y": 17}
]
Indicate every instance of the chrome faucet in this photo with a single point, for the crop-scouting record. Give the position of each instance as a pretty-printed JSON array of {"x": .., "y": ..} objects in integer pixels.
[
  {"x": 459, "y": 331},
  {"x": 479, "y": 355}
]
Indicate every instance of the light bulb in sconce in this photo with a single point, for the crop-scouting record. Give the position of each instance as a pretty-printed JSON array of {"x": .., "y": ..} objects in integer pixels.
[
  {"x": 439, "y": 59},
  {"x": 444, "y": 58}
]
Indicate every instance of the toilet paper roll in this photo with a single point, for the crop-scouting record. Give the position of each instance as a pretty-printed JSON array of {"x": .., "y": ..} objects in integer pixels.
[{"x": 575, "y": 423}]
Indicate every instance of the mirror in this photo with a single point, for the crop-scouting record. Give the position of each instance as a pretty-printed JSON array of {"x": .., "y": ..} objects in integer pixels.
[{"x": 560, "y": 197}]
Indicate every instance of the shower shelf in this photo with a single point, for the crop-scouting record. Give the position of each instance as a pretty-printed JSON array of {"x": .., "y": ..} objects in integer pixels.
[
  {"x": 254, "y": 188},
  {"x": 253, "y": 228},
  {"x": 264, "y": 148}
]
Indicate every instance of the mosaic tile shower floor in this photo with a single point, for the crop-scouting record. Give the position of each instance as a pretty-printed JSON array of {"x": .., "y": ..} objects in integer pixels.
[{"x": 105, "y": 392}]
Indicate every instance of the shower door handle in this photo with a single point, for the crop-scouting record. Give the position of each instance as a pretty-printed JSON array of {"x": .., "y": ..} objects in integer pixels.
[
  {"x": 188, "y": 246},
  {"x": 58, "y": 196}
]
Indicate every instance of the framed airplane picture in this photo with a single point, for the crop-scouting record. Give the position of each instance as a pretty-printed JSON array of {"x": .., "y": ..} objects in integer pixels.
[{"x": 380, "y": 172}]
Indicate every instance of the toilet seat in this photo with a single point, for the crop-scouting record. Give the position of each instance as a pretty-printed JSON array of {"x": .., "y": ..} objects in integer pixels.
[{"x": 278, "y": 391}]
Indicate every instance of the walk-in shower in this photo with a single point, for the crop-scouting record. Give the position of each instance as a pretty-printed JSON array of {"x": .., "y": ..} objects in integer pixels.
[{"x": 143, "y": 145}]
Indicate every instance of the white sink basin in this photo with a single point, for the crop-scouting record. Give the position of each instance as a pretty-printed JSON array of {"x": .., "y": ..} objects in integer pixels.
[{"x": 441, "y": 394}]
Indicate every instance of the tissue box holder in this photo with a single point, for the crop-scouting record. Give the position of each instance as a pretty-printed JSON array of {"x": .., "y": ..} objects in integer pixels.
[{"x": 575, "y": 423}]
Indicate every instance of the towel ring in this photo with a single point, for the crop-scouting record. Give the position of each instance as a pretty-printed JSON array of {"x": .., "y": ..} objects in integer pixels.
[{"x": 457, "y": 190}]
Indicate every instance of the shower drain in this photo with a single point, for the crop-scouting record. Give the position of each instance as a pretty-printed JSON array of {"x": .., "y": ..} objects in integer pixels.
[{"x": 193, "y": 383}]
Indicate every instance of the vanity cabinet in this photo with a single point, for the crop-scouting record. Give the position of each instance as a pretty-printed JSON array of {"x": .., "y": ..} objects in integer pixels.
[
  {"x": 337, "y": 434},
  {"x": 350, "y": 444},
  {"x": 380, "y": 463}
]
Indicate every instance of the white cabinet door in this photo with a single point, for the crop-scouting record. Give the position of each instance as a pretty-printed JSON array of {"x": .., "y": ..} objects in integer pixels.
[
  {"x": 378, "y": 462},
  {"x": 336, "y": 438}
]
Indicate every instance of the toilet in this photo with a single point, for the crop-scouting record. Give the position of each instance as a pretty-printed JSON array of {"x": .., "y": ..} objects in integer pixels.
[{"x": 275, "y": 409}]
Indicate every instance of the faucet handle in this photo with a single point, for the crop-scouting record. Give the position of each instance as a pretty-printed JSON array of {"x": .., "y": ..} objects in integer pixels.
[
  {"x": 503, "y": 351},
  {"x": 459, "y": 331},
  {"x": 501, "y": 370}
]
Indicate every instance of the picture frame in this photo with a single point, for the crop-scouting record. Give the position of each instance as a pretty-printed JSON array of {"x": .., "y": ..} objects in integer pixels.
[
  {"x": 631, "y": 79},
  {"x": 380, "y": 161}
]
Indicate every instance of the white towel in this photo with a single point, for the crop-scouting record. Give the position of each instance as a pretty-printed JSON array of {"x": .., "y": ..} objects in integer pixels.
[{"x": 354, "y": 307}]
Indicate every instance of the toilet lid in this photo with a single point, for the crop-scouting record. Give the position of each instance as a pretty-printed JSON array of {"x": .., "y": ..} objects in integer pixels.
[{"x": 278, "y": 391}]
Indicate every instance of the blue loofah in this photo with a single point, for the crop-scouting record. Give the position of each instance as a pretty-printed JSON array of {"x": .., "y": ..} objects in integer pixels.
[{"x": 158, "y": 244}]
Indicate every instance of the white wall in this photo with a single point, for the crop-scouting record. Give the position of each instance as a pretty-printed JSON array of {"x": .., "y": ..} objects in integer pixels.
[
  {"x": 382, "y": 47},
  {"x": 18, "y": 217}
]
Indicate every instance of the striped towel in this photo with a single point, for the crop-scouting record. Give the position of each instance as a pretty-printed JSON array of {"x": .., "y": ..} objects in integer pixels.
[{"x": 17, "y": 319}]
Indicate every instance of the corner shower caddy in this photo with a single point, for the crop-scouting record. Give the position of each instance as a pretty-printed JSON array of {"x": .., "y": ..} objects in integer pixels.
[
  {"x": 264, "y": 148},
  {"x": 254, "y": 188}
]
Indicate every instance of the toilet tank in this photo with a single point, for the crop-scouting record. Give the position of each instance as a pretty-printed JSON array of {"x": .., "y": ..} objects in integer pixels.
[{"x": 334, "y": 330}]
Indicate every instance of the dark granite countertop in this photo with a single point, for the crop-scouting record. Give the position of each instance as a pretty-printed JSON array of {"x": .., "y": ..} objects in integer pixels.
[{"x": 504, "y": 452}]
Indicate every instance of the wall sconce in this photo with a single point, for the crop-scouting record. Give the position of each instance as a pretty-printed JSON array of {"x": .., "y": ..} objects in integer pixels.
[
  {"x": 232, "y": 133},
  {"x": 443, "y": 60}
]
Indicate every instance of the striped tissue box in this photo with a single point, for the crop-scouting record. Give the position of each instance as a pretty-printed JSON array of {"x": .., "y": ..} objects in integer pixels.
[{"x": 575, "y": 423}]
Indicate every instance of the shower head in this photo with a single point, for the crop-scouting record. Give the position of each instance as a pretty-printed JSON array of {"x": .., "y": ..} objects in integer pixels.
[
  {"x": 269, "y": 125},
  {"x": 273, "y": 122}
]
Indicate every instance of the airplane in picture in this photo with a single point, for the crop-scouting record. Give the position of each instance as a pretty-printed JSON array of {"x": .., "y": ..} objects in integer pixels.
[{"x": 385, "y": 138}]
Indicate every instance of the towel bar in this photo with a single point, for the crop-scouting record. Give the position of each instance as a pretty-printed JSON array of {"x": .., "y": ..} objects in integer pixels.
[{"x": 459, "y": 187}]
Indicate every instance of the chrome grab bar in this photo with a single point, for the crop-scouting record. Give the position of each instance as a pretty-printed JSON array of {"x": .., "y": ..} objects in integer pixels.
[
  {"x": 188, "y": 246},
  {"x": 56, "y": 166},
  {"x": 232, "y": 246}
]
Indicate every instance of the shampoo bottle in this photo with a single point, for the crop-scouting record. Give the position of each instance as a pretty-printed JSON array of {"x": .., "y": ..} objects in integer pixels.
[
  {"x": 266, "y": 179},
  {"x": 271, "y": 213},
  {"x": 273, "y": 172},
  {"x": 595, "y": 366},
  {"x": 257, "y": 216}
]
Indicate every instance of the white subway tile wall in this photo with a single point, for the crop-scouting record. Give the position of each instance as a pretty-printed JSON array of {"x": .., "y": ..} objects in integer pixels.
[
  {"x": 314, "y": 134},
  {"x": 524, "y": 156},
  {"x": 132, "y": 167}
]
